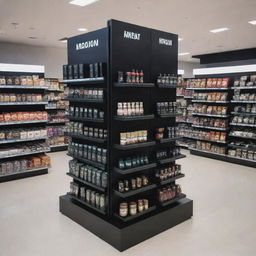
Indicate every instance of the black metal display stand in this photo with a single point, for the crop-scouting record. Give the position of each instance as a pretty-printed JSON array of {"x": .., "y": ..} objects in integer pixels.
[{"x": 123, "y": 46}]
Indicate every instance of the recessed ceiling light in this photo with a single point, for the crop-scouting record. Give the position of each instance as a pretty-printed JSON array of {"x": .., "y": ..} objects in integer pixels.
[
  {"x": 253, "y": 22},
  {"x": 218, "y": 30},
  {"x": 82, "y": 29},
  {"x": 82, "y": 2},
  {"x": 184, "y": 53},
  {"x": 180, "y": 39}
]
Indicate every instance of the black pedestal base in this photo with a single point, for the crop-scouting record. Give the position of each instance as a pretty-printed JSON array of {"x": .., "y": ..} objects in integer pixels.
[{"x": 123, "y": 236}]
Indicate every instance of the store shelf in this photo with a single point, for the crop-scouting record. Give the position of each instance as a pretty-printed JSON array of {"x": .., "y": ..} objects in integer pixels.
[
  {"x": 23, "y": 122},
  {"x": 95, "y": 80},
  {"x": 23, "y": 103},
  {"x": 23, "y": 87},
  {"x": 23, "y": 174},
  {"x": 244, "y": 88},
  {"x": 86, "y": 204},
  {"x": 84, "y": 100},
  {"x": 84, "y": 160},
  {"x": 134, "y": 85},
  {"x": 212, "y": 101},
  {"x": 242, "y": 137},
  {"x": 167, "y": 140},
  {"x": 135, "y": 169},
  {"x": 172, "y": 201},
  {"x": 134, "y": 118},
  {"x": 135, "y": 191},
  {"x": 57, "y": 122},
  {"x": 84, "y": 119},
  {"x": 242, "y": 159},
  {"x": 135, "y": 145},
  {"x": 244, "y": 101},
  {"x": 210, "y": 115},
  {"x": 171, "y": 159},
  {"x": 243, "y": 114},
  {"x": 167, "y": 181},
  {"x": 55, "y": 108},
  {"x": 207, "y": 152},
  {"x": 246, "y": 125},
  {"x": 82, "y": 137},
  {"x": 169, "y": 86},
  {"x": 129, "y": 218},
  {"x": 86, "y": 182},
  {"x": 24, "y": 154},
  {"x": 54, "y": 90},
  {"x": 184, "y": 122},
  {"x": 210, "y": 128},
  {"x": 208, "y": 89},
  {"x": 202, "y": 139},
  {"x": 169, "y": 115},
  {"x": 242, "y": 147},
  {"x": 22, "y": 140},
  {"x": 188, "y": 97},
  {"x": 56, "y": 148}
]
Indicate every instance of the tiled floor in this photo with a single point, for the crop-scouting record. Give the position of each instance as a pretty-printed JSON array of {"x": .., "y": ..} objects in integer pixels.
[{"x": 224, "y": 221}]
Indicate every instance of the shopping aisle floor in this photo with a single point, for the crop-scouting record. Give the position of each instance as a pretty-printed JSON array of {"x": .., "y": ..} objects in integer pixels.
[{"x": 224, "y": 220}]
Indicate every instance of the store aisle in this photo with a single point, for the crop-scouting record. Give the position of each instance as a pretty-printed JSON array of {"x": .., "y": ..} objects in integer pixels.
[{"x": 223, "y": 223}]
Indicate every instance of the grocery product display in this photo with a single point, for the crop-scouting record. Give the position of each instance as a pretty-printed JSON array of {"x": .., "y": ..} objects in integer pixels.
[
  {"x": 23, "y": 120},
  {"x": 122, "y": 127},
  {"x": 204, "y": 83}
]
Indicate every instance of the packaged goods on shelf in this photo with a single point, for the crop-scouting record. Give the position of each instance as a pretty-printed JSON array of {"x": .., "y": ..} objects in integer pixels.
[
  {"x": 127, "y": 138},
  {"x": 207, "y": 146},
  {"x": 53, "y": 84},
  {"x": 247, "y": 133},
  {"x": 58, "y": 116},
  {"x": 245, "y": 108},
  {"x": 168, "y": 172},
  {"x": 24, "y": 97},
  {"x": 167, "y": 108},
  {"x": 167, "y": 79},
  {"x": 168, "y": 193},
  {"x": 132, "y": 208},
  {"x": 130, "y": 108},
  {"x": 245, "y": 81},
  {"x": 242, "y": 153},
  {"x": 244, "y": 96},
  {"x": 208, "y": 83},
  {"x": 33, "y": 80},
  {"x": 92, "y": 113},
  {"x": 167, "y": 152},
  {"x": 133, "y": 183},
  {"x": 210, "y": 122},
  {"x": 211, "y": 96},
  {"x": 209, "y": 109},
  {"x": 134, "y": 76},
  {"x": 243, "y": 119},
  {"x": 23, "y": 116},
  {"x": 133, "y": 161},
  {"x": 84, "y": 93}
]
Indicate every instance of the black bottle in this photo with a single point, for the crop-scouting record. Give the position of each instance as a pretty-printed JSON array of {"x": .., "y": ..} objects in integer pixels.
[{"x": 65, "y": 71}]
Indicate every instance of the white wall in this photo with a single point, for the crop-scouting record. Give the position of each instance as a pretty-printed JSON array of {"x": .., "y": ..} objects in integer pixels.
[
  {"x": 51, "y": 57},
  {"x": 188, "y": 68}
]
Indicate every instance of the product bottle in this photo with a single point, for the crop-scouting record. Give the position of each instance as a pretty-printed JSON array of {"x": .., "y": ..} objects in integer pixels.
[
  {"x": 141, "y": 76},
  {"x": 159, "y": 79},
  {"x": 163, "y": 79},
  {"x": 133, "y": 74},
  {"x": 137, "y": 76}
]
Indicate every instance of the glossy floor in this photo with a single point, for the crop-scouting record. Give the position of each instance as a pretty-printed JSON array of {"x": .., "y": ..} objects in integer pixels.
[{"x": 224, "y": 221}]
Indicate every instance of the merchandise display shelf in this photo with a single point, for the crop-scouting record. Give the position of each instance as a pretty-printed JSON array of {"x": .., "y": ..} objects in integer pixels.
[
  {"x": 210, "y": 128},
  {"x": 242, "y": 137},
  {"x": 243, "y": 159},
  {"x": 244, "y": 88},
  {"x": 213, "y": 101},
  {"x": 202, "y": 139},
  {"x": 23, "y": 122},
  {"x": 58, "y": 147},
  {"x": 135, "y": 145},
  {"x": 23, "y": 103},
  {"x": 57, "y": 122},
  {"x": 243, "y": 101},
  {"x": 188, "y": 97},
  {"x": 79, "y": 200},
  {"x": 240, "y": 124},
  {"x": 134, "y": 118},
  {"x": 135, "y": 169},
  {"x": 170, "y": 159},
  {"x": 86, "y": 183},
  {"x": 95, "y": 80},
  {"x": 23, "y": 87},
  {"x": 169, "y": 115},
  {"x": 208, "y": 89},
  {"x": 82, "y": 137},
  {"x": 243, "y": 114},
  {"x": 130, "y": 218},
  {"x": 83, "y": 119},
  {"x": 167, "y": 140},
  {"x": 24, "y": 154},
  {"x": 84, "y": 100},
  {"x": 53, "y": 90},
  {"x": 134, "y": 85},
  {"x": 23, "y": 174},
  {"x": 192, "y": 150},
  {"x": 242, "y": 147},
  {"x": 55, "y": 108},
  {"x": 168, "y": 86},
  {"x": 174, "y": 200},
  {"x": 135, "y": 191},
  {"x": 184, "y": 122},
  {"x": 22, "y": 140},
  {"x": 170, "y": 180},
  {"x": 210, "y": 115}
]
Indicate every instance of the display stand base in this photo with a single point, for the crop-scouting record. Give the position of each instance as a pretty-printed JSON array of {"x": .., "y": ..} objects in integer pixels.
[{"x": 125, "y": 235}]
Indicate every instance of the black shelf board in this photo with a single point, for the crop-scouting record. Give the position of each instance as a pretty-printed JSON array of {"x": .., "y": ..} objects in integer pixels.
[
  {"x": 245, "y": 125},
  {"x": 208, "y": 88},
  {"x": 167, "y": 181},
  {"x": 86, "y": 183},
  {"x": 202, "y": 139},
  {"x": 86, "y": 204},
  {"x": 95, "y": 80},
  {"x": 57, "y": 122},
  {"x": 170, "y": 159},
  {"x": 23, "y": 103},
  {"x": 169, "y": 86},
  {"x": 166, "y": 140},
  {"x": 90, "y": 162},
  {"x": 169, "y": 115},
  {"x": 242, "y": 137},
  {"x": 23, "y": 122},
  {"x": 23, "y": 174},
  {"x": 243, "y": 114},
  {"x": 242, "y": 159},
  {"x": 174, "y": 200},
  {"x": 135, "y": 191},
  {"x": 210, "y": 115},
  {"x": 84, "y": 100},
  {"x": 82, "y": 137},
  {"x": 134, "y": 85},
  {"x": 211, "y": 101},
  {"x": 56, "y": 148},
  {"x": 24, "y": 154},
  {"x": 244, "y": 101},
  {"x": 207, "y": 152},
  {"x": 134, "y": 118},
  {"x": 129, "y": 218},
  {"x": 135, "y": 145},
  {"x": 22, "y": 140},
  {"x": 244, "y": 88},
  {"x": 135, "y": 169},
  {"x": 84, "y": 119},
  {"x": 54, "y": 90},
  {"x": 210, "y": 128},
  {"x": 188, "y": 97},
  {"x": 184, "y": 122},
  {"x": 55, "y": 108},
  {"x": 23, "y": 87},
  {"x": 242, "y": 147}
]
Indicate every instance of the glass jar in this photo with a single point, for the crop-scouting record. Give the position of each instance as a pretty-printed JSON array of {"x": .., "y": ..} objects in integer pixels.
[
  {"x": 123, "y": 209},
  {"x": 133, "y": 208}
]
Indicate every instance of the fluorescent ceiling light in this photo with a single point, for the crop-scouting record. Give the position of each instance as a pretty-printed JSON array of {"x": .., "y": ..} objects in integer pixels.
[
  {"x": 253, "y": 22},
  {"x": 6, "y": 67},
  {"x": 82, "y": 29},
  {"x": 63, "y": 41},
  {"x": 218, "y": 30},
  {"x": 180, "y": 39},
  {"x": 225, "y": 70},
  {"x": 181, "y": 72},
  {"x": 82, "y": 2},
  {"x": 184, "y": 53}
]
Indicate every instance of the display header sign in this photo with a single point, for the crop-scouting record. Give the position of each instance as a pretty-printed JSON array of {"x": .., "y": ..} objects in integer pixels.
[
  {"x": 87, "y": 44},
  {"x": 165, "y": 41},
  {"x": 131, "y": 35}
]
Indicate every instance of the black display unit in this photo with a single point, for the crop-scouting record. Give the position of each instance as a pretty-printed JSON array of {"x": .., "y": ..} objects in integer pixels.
[{"x": 123, "y": 47}]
